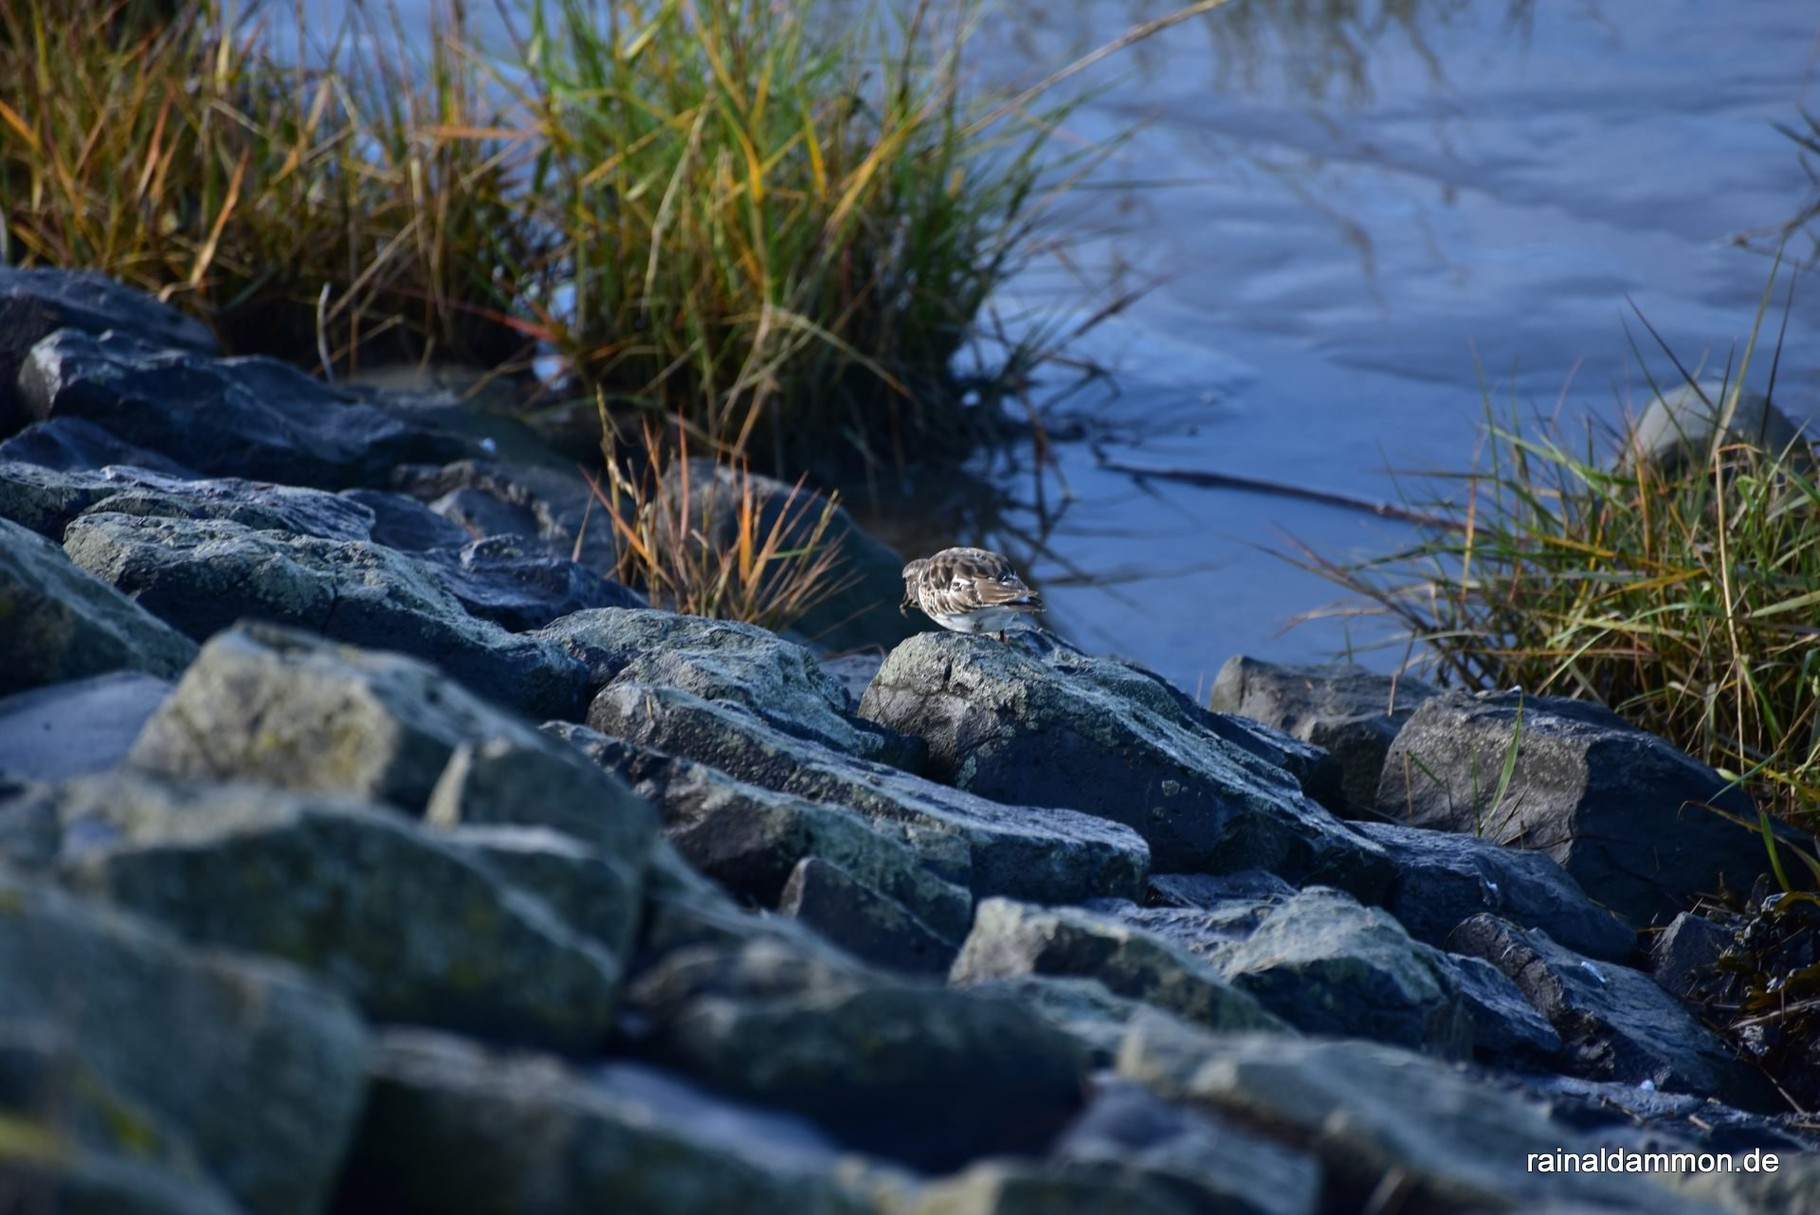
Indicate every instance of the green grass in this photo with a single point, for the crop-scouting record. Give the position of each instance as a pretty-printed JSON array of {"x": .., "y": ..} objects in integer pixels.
[{"x": 1685, "y": 600}]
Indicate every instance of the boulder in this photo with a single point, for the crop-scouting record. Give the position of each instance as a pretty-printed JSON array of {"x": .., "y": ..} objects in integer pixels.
[
  {"x": 853, "y": 672},
  {"x": 1020, "y": 1187},
  {"x": 250, "y": 417},
  {"x": 76, "y": 444},
  {"x": 76, "y": 728},
  {"x": 1084, "y": 1009},
  {"x": 413, "y": 929},
  {"x": 1206, "y": 1163},
  {"x": 517, "y": 586},
  {"x": 751, "y": 839},
  {"x": 406, "y": 524},
  {"x": 596, "y": 894},
  {"x": 452, "y": 1129},
  {"x": 1042, "y": 855},
  {"x": 1685, "y": 953},
  {"x": 201, "y": 576},
  {"x": 1444, "y": 878},
  {"x": 1061, "y": 729},
  {"x": 552, "y": 505},
  {"x": 729, "y": 661},
  {"x": 1616, "y": 1023},
  {"x": 1679, "y": 427},
  {"x": 46, "y": 500},
  {"x": 1622, "y": 811},
  {"x": 1346, "y": 710},
  {"x": 58, "y": 622},
  {"x": 1012, "y": 939},
  {"x": 1381, "y": 1119},
  {"x": 37, "y": 303},
  {"x": 255, "y": 1067},
  {"x": 864, "y": 922}
]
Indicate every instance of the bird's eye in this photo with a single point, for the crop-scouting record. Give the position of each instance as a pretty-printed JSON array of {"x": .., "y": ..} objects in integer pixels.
[
  {"x": 1005, "y": 577},
  {"x": 960, "y": 584}
]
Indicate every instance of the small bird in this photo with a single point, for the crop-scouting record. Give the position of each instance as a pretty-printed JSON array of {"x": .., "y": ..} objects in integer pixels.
[{"x": 968, "y": 590}]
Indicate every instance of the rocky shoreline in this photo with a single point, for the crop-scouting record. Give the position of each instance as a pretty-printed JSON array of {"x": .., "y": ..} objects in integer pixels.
[{"x": 360, "y": 851}]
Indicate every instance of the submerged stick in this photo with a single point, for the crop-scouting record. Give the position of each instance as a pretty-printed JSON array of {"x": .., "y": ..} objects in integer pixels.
[{"x": 1215, "y": 480}]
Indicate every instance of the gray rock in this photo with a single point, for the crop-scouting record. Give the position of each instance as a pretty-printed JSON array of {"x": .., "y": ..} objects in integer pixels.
[
  {"x": 1451, "y": 1143},
  {"x": 1683, "y": 953},
  {"x": 750, "y": 839},
  {"x": 201, "y": 576},
  {"x": 728, "y": 661},
  {"x": 1208, "y": 890},
  {"x": 1011, "y": 939},
  {"x": 862, "y": 921},
  {"x": 854, "y": 673},
  {"x": 258, "y": 1069},
  {"x": 37, "y": 303},
  {"x": 1506, "y": 1029},
  {"x": 46, "y": 500},
  {"x": 1018, "y": 1187},
  {"x": 1084, "y": 1009},
  {"x": 74, "y": 1144},
  {"x": 412, "y": 928},
  {"x": 1616, "y": 1023},
  {"x": 1637, "y": 1118},
  {"x": 1102, "y": 738},
  {"x": 453, "y": 1130},
  {"x": 596, "y": 895},
  {"x": 407, "y": 524},
  {"x": 61, "y": 623},
  {"x": 1749, "y": 1189},
  {"x": 1207, "y": 1164},
  {"x": 1023, "y": 852},
  {"x": 1342, "y": 708},
  {"x": 252, "y": 417},
  {"x": 74, "y": 444},
  {"x": 1443, "y": 878},
  {"x": 516, "y": 585},
  {"x": 486, "y": 497},
  {"x": 1327, "y": 965},
  {"x": 1620, "y": 810},
  {"x": 76, "y": 728},
  {"x": 288, "y": 709},
  {"x": 1679, "y": 426}
]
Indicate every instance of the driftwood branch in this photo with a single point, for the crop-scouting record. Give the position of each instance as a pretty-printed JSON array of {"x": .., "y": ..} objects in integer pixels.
[{"x": 1214, "y": 480}]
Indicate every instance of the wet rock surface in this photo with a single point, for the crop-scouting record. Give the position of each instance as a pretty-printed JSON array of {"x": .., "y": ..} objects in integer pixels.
[{"x": 316, "y": 895}]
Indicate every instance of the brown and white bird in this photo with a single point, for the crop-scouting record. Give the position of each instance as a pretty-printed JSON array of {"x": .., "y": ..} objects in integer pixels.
[{"x": 968, "y": 590}]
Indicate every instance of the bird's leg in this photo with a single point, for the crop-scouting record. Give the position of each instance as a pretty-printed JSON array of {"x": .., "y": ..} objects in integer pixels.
[{"x": 1001, "y": 637}]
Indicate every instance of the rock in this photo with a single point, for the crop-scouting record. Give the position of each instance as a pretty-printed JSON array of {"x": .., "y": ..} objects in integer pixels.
[
  {"x": 413, "y": 929},
  {"x": 1619, "y": 809},
  {"x": 37, "y": 303},
  {"x": 1637, "y": 1118},
  {"x": 407, "y": 524},
  {"x": 1677, "y": 428},
  {"x": 1616, "y": 1023},
  {"x": 253, "y": 417},
  {"x": 862, "y": 921},
  {"x": 46, "y": 500},
  {"x": 1207, "y": 890},
  {"x": 1682, "y": 954},
  {"x": 1084, "y": 1009},
  {"x": 1444, "y": 878},
  {"x": 504, "y": 580},
  {"x": 853, "y": 672},
  {"x": 485, "y": 497},
  {"x": 59, "y": 623},
  {"x": 1327, "y": 965},
  {"x": 451, "y": 1129},
  {"x": 1318, "y": 773},
  {"x": 73, "y": 1144},
  {"x": 1041, "y": 855},
  {"x": 1506, "y": 1029},
  {"x": 1342, "y": 708},
  {"x": 1205, "y": 1163},
  {"x": 201, "y": 576},
  {"x": 750, "y": 839},
  {"x": 76, "y": 728},
  {"x": 1751, "y": 1189},
  {"x": 864, "y": 611},
  {"x": 1381, "y": 1119},
  {"x": 728, "y": 661},
  {"x": 291, "y": 710},
  {"x": 1016, "y": 1187},
  {"x": 75, "y": 444},
  {"x": 258, "y": 1069},
  {"x": 1098, "y": 737},
  {"x": 1011, "y": 939},
  {"x": 596, "y": 895}
]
